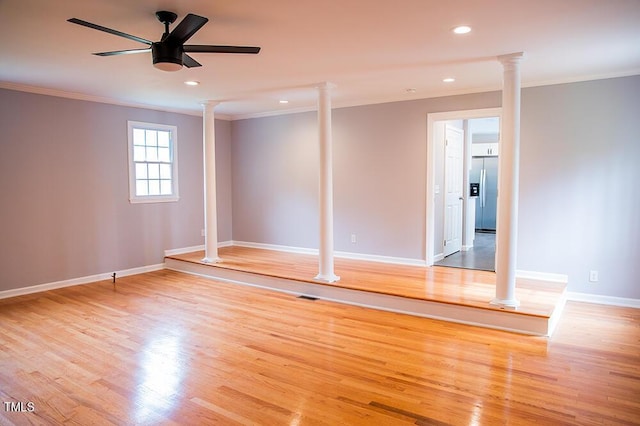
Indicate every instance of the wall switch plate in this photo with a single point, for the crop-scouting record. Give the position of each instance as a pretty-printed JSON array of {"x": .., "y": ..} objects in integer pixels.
[
  {"x": 593, "y": 276},
  {"x": 353, "y": 238},
  {"x": 202, "y": 234}
]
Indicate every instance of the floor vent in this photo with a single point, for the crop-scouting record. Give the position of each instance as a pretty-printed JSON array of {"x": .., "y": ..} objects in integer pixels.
[{"x": 302, "y": 296}]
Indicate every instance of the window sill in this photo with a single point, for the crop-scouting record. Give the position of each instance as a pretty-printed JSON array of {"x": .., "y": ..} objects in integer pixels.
[{"x": 146, "y": 200}]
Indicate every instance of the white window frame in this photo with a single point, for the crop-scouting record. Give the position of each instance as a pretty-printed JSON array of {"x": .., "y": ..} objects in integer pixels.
[{"x": 173, "y": 149}]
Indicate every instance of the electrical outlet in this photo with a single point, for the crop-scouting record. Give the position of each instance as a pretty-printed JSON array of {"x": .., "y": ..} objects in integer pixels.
[
  {"x": 593, "y": 276},
  {"x": 353, "y": 238}
]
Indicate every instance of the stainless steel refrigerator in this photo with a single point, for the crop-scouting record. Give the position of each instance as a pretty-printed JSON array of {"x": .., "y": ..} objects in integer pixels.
[{"x": 484, "y": 171}]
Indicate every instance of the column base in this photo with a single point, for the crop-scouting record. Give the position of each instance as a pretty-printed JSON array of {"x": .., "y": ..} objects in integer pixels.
[
  {"x": 505, "y": 303},
  {"x": 211, "y": 260},
  {"x": 327, "y": 278}
]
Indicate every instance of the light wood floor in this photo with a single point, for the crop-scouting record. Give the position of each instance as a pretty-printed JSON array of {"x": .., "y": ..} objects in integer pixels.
[
  {"x": 171, "y": 348},
  {"x": 441, "y": 284}
]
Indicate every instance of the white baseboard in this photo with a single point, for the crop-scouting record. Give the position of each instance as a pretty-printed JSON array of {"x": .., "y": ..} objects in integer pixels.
[
  {"x": 183, "y": 250},
  {"x": 603, "y": 300},
  {"x": 173, "y": 252},
  {"x": 288, "y": 249},
  {"x": 382, "y": 259},
  {"x": 542, "y": 276},
  {"x": 78, "y": 281},
  {"x": 339, "y": 254}
]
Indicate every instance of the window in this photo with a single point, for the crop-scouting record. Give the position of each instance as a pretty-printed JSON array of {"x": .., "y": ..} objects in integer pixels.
[{"x": 153, "y": 166}]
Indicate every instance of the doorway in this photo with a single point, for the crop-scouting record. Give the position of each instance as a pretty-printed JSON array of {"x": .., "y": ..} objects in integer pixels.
[{"x": 477, "y": 249}]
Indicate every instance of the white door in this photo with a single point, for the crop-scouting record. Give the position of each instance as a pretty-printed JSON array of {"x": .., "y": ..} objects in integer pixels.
[{"x": 453, "y": 151}]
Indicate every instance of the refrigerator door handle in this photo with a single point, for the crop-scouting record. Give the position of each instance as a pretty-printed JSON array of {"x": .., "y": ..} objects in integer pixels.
[{"x": 483, "y": 176}]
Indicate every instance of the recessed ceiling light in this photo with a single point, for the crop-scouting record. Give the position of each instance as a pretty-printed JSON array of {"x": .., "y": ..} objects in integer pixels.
[
  {"x": 448, "y": 80},
  {"x": 284, "y": 101},
  {"x": 411, "y": 90},
  {"x": 462, "y": 29},
  {"x": 191, "y": 83}
]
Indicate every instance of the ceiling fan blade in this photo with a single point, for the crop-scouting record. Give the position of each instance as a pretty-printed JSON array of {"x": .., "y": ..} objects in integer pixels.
[
  {"x": 189, "y": 62},
  {"x": 123, "y": 52},
  {"x": 186, "y": 28},
  {"x": 199, "y": 48},
  {"x": 109, "y": 30}
]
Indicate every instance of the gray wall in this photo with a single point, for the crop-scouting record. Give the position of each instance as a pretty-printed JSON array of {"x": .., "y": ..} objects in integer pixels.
[
  {"x": 579, "y": 186},
  {"x": 379, "y": 176},
  {"x": 578, "y": 195},
  {"x": 65, "y": 209}
]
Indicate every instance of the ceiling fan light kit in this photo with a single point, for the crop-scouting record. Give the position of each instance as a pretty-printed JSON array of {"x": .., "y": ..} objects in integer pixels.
[
  {"x": 166, "y": 57},
  {"x": 169, "y": 54}
]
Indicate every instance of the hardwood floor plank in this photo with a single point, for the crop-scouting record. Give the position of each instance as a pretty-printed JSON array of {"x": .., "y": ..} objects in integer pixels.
[
  {"x": 442, "y": 284},
  {"x": 171, "y": 348}
]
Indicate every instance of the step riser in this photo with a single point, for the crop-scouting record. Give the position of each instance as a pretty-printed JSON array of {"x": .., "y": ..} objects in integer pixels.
[{"x": 496, "y": 319}]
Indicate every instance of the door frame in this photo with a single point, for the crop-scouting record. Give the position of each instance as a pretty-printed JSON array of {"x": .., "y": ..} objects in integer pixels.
[{"x": 432, "y": 118}]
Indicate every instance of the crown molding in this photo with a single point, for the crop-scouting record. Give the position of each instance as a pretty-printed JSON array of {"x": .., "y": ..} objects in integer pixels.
[
  {"x": 93, "y": 98},
  {"x": 336, "y": 103}
]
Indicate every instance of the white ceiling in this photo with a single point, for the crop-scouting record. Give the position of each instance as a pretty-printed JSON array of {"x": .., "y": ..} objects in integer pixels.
[{"x": 373, "y": 51}]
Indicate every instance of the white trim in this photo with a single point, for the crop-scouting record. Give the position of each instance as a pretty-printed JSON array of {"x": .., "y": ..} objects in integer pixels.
[
  {"x": 542, "y": 276},
  {"x": 173, "y": 152},
  {"x": 93, "y": 98},
  {"x": 183, "y": 250},
  {"x": 341, "y": 254},
  {"x": 381, "y": 259},
  {"x": 554, "y": 320},
  {"x": 288, "y": 249},
  {"x": 78, "y": 281},
  {"x": 359, "y": 102},
  {"x": 603, "y": 300},
  {"x": 432, "y": 118},
  {"x": 437, "y": 258}
]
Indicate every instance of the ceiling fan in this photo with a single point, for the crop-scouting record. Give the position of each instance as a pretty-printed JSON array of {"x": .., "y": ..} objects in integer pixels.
[{"x": 170, "y": 53}]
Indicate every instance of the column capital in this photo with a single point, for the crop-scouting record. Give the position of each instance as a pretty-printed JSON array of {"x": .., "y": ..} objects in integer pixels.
[
  {"x": 209, "y": 104},
  {"x": 511, "y": 58},
  {"x": 325, "y": 85}
]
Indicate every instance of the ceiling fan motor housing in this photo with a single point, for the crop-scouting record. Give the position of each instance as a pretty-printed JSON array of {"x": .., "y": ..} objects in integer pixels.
[{"x": 165, "y": 52}]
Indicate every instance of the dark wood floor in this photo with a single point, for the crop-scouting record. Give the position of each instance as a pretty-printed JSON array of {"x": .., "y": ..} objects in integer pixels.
[{"x": 170, "y": 348}]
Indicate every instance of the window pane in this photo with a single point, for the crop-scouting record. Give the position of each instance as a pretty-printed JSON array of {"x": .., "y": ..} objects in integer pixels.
[
  {"x": 152, "y": 157},
  {"x": 138, "y": 136},
  {"x": 139, "y": 153},
  {"x": 165, "y": 187},
  {"x": 165, "y": 171},
  {"x": 141, "y": 171},
  {"x": 163, "y": 139},
  {"x": 154, "y": 171},
  {"x": 154, "y": 187},
  {"x": 152, "y": 138},
  {"x": 141, "y": 187},
  {"x": 164, "y": 155},
  {"x": 152, "y": 153}
]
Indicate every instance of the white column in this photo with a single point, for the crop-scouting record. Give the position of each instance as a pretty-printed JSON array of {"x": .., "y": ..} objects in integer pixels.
[
  {"x": 325, "y": 266},
  {"x": 210, "y": 212},
  {"x": 508, "y": 184}
]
